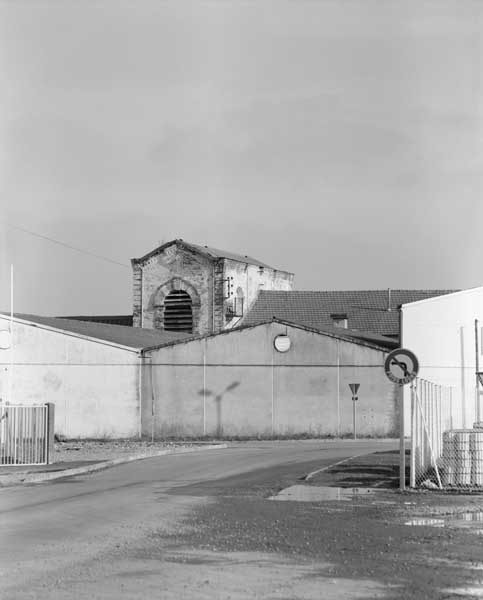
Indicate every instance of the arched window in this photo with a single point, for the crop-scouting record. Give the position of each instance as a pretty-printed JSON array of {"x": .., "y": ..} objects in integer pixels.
[
  {"x": 239, "y": 300},
  {"x": 178, "y": 313}
]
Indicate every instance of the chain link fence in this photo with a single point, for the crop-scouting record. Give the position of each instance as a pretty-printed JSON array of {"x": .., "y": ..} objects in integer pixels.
[{"x": 444, "y": 453}]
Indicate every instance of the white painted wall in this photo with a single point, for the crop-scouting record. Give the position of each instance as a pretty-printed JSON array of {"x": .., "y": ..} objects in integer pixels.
[
  {"x": 251, "y": 279},
  {"x": 238, "y": 383},
  {"x": 94, "y": 386},
  {"x": 441, "y": 332}
]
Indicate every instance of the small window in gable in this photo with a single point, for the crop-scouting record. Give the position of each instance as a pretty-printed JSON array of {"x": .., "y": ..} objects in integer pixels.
[{"x": 339, "y": 320}]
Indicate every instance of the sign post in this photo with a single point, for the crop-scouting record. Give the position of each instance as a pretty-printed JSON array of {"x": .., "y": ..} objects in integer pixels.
[
  {"x": 354, "y": 387},
  {"x": 401, "y": 367}
]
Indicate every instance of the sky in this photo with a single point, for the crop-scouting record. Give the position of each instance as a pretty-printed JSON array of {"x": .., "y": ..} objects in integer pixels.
[{"x": 339, "y": 140}]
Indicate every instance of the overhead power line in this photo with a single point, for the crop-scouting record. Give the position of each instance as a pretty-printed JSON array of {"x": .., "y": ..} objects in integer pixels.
[{"x": 59, "y": 243}]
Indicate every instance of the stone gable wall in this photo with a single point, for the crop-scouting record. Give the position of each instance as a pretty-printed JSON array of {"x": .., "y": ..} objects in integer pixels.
[
  {"x": 174, "y": 268},
  {"x": 212, "y": 285}
]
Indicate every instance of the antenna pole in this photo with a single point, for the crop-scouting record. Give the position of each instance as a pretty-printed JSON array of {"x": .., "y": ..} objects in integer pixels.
[
  {"x": 9, "y": 384},
  {"x": 11, "y": 297},
  {"x": 477, "y": 366}
]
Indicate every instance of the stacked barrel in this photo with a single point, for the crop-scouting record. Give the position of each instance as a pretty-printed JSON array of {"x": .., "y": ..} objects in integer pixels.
[{"x": 462, "y": 458}]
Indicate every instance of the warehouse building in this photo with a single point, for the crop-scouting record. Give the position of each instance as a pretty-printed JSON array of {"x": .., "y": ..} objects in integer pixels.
[
  {"x": 274, "y": 378},
  {"x": 221, "y": 344}
]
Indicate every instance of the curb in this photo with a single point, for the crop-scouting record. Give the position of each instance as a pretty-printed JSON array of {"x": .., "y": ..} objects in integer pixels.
[{"x": 24, "y": 478}]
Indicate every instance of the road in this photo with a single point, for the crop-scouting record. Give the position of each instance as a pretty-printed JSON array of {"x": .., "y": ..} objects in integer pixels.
[{"x": 195, "y": 526}]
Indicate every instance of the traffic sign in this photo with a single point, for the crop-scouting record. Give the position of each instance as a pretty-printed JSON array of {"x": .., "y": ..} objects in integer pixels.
[
  {"x": 401, "y": 366},
  {"x": 354, "y": 387}
]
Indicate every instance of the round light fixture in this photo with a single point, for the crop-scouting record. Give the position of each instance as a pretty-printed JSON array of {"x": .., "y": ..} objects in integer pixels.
[
  {"x": 5, "y": 339},
  {"x": 282, "y": 343}
]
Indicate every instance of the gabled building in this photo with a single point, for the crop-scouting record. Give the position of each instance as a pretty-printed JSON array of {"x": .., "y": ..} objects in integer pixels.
[
  {"x": 181, "y": 286},
  {"x": 91, "y": 372},
  {"x": 268, "y": 379},
  {"x": 198, "y": 289},
  {"x": 222, "y": 345}
]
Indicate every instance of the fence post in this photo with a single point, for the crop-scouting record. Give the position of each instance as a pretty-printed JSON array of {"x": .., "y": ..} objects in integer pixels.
[{"x": 50, "y": 431}]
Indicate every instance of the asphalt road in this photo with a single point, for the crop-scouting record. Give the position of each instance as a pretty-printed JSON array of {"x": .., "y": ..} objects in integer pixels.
[{"x": 201, "y": 526}]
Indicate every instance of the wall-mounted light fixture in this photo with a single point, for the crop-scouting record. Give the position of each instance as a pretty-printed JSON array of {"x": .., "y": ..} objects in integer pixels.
[{"x": 282, "y": 343}]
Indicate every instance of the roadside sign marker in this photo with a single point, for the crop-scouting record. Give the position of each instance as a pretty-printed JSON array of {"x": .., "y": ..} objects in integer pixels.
[
  {"x": 401, "y": 367},
  {"x": 354, "y": 387}
]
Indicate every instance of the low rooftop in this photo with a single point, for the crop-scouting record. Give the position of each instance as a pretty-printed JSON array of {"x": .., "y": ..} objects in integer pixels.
[
  {"x": 373, "y": 311},
  {"x": 130, "y": 337}
]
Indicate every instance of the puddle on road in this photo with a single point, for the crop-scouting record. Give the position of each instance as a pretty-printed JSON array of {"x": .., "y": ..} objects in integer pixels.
[
  {"x": 471, "y": 521},
  {"x": 306, "y": 493}
]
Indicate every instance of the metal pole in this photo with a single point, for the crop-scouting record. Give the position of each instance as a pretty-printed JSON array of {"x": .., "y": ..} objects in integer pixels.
[
  {"x": 477, "y": 367},
  {"x": 152, "y": 397},
  {"x": 273, "y": 398},
  {"x": 402, "y": 449},
  {"x": 412, "y": 472},
  {"x": 338, "y": 388},
  {"x": 10, "y": 368},
  {"x": 204, "y": 388},
  {"x": 451, "y": 407},
  {"x": 354, "y": 417}
]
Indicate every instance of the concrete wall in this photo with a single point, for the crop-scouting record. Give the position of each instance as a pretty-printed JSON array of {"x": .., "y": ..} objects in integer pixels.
[
  {"x": 441, "y": 332},
  {"x": 236, "y": 383},
  {"x": 94, "y": 386}
]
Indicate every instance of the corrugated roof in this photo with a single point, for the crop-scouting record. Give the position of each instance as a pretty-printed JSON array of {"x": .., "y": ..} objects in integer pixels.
[
  {"x": 208, "y": 251},
  {"x": 366, "y": 310},
  {"x": 131, "y": 337}
]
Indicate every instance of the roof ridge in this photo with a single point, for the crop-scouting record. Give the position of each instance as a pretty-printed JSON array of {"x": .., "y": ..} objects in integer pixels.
[
  {"x": 208, "y": 251},
  {"x": 382, "y": 290}
]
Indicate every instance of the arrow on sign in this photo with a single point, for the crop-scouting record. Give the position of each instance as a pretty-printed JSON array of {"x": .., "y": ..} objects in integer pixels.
[{"x": 354, "y": 387}]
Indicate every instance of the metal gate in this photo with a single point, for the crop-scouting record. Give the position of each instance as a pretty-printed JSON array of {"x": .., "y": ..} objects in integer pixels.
[{"x": 25, "y": 434}]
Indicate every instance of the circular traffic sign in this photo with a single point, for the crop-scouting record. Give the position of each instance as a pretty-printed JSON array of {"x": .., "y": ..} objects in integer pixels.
[{"x": 401, "y": 366}]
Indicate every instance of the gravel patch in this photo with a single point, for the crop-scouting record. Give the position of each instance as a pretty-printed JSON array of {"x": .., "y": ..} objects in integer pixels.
[{"x": 74, "y": 451}]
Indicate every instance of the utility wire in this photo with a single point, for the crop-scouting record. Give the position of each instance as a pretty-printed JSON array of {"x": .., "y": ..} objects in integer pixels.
[{"x": 49, "y": 239}]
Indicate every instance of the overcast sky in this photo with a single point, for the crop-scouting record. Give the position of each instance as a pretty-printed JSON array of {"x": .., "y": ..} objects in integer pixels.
[{"x": 342, "y": 141}]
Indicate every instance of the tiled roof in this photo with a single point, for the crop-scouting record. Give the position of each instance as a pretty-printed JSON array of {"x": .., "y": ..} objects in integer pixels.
[
  {"x": 216, "y": 253},
  {"x": 208, "y": 251},
  {"x": 347, "y": 334},
  {"x": 131, "y": 337},
  {"x": 358, "y": 337},
  {"x": 366, "y": 310}
]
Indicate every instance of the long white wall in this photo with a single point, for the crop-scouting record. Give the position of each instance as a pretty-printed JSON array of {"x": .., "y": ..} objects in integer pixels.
[
  {"x": 94, "y": 386},
  {"x": 441, "y": 332},
  {"x": 236, "y": 383}
]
